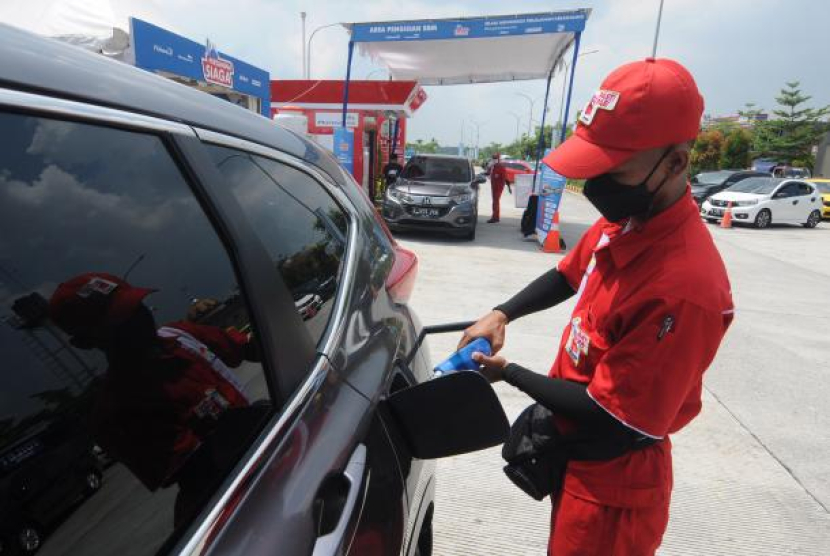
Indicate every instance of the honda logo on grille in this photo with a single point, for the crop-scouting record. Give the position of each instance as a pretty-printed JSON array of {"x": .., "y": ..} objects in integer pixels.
[{"x": 427, "y": 200}]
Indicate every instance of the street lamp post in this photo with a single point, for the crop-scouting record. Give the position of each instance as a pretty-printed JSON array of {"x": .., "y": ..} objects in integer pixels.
[
  {"x": 305, "y": 69},
  {"x": 308, "y": 47},
  {"x": 518, "y": 122},
  {"x": 478, "y": 135},
  {"x": 657, "y": 29},
  {"x": 531, "y": 101},
  {"x": 564, "y": 84}
]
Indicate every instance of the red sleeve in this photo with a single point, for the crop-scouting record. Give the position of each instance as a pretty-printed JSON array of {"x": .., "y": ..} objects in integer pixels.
[
  {"x": 650, "y": 377},
  {"x": 573, "y": 265},
  {"x": 228, "y": 345}
]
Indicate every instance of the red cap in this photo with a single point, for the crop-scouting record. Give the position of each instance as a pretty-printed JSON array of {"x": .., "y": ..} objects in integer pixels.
[
  {"x": 94, "y": 300},
  {"x": 640, "y": 106}
]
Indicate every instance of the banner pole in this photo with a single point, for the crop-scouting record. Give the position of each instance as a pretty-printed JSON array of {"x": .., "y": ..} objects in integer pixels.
[
  {"x": 564, "y": 131},
  {"x": 346, "y": 84}
]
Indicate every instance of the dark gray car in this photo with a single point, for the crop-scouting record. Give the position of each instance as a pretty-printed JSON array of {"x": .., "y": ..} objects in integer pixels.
[
  {"x": 210, "y": 301},
  {"x": 434, "y": 192}
]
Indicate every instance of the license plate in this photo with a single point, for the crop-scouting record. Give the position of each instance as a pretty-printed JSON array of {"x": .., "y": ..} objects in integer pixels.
[
  {"x": 425, "y": 212},
  {"x": 715, "y": 212}
]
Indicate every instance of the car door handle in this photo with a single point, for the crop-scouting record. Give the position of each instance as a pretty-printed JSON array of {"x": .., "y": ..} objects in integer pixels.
[{"x": 331, "y": 506}]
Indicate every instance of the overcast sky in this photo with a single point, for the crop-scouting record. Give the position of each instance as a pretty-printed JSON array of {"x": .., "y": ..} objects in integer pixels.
[{"x": 738, "y": 50}]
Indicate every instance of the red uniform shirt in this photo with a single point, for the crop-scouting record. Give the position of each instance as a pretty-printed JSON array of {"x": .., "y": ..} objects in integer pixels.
[
  {"x": 498, "y": 174},
  {"x": 152, "y": 414},
  {"x": 653, "y": 304}
]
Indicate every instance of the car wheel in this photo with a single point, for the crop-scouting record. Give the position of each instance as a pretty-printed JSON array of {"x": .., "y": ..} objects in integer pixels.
[
  {"x": 470, "y": 235},
  {"x": 813, "y": 219},
  {"x": 93, "y": 480},
  {"x": 763, "y": 219},
  {"x": 424, "y": 547},
  {"x": 711, "y": 221},
  {"x": 29, "y": 539}
]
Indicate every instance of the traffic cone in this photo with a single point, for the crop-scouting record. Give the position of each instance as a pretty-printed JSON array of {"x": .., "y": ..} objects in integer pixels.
[
  {"x": 727, "y": 216},
  {"x": 553, "y": 243}
]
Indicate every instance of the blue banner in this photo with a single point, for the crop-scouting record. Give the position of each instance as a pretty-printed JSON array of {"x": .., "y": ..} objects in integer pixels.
[
  {"x": 344, "y": 147},
  {"x": 157, "y": 49},
  {"x": 471, "y": 28},
  {"x": 551, "y": 185}
]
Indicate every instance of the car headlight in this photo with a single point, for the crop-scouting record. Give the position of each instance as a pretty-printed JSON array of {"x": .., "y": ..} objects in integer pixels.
[
  {"x": 463, "y": 198},
  {"x": 398, "y": 195},
  {"x": 747, "y": 203}
]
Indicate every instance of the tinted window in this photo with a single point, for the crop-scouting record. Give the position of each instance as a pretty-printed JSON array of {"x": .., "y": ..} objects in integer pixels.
[
  {"x": 762, "y": 186},
  {"x": 516, "y": 166},
  {"x": 789, "y": 190},
  {"x": 130, "y": 382},
  {"x": 711, "y": 177},
  {"x": 301, "y": 226},
  {"x": 804, "y": 189},
  {"x": 426, "y": 168}
]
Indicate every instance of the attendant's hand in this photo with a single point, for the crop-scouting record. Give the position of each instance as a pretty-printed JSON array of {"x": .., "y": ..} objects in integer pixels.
[
  {"x": 492, "y": 367},
  {"x": 491, "y": 327}
]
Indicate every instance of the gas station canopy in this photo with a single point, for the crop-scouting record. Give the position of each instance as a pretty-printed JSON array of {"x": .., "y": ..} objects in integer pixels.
[{"x": 470, "y": 50}]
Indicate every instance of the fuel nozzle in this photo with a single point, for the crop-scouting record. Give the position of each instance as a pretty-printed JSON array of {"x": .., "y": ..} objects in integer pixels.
[{"x": 462, "y": 360}]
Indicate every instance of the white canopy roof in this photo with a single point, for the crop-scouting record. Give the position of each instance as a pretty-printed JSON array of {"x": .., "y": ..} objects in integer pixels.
[{"x": 470, "y": 50}]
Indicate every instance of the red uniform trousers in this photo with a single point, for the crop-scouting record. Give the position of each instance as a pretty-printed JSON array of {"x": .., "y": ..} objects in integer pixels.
[{"x": 496, "y": 187}]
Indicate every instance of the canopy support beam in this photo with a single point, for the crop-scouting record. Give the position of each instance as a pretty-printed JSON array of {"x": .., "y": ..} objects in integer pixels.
[
  {"x": 540, "y": 145},
  {"x": 564, "y": 121},
  {"x": 346, "y": 85}
]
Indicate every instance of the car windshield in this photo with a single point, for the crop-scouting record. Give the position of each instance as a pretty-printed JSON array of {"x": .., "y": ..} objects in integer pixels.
[
  {"x": 515, "y": 165},
  {"x": 426, "y": 168},
  {"x": 823, "y": 187},
  {"x": 762, "y": 186},
  {"x": 710, "y": 177}
]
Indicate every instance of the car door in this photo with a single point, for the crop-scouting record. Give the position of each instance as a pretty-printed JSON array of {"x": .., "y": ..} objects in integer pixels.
[
  {"x": 785, "y": 203},
  {"x": 810, "y": 199},
  {"x": 124, "y": 323},
  {"x": 343, "y": 460}
]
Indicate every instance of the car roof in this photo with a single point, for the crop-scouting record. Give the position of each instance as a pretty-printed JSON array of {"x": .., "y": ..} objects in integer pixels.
[
  {"x": 443, "y": 156},
  {"x": 47, "y": 66}
]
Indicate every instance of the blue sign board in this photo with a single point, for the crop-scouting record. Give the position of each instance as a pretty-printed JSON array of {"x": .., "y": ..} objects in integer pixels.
[
  {"x": 470, "y": 28},
  {"x": 344, "y": 147},
  {"x": 157, "y": 49},
  {"x": 551, "y": 185}
]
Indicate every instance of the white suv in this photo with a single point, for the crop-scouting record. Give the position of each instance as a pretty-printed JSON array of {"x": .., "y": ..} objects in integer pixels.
[{"x": 763, "y": 200}]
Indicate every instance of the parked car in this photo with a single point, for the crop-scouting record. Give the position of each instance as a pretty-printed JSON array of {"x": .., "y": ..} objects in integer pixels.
[
  {"x": 767, "y": 200},
  {"x": 823, "y": 186},
  {"x": 43, "y": 478},
  {"x": 515, "y": 167},
  {"x": 155, "y": 242},
  {"x": 706, "y": 184},
  {"x": 434, "y": 192},
  {"x": 786, "y": 171}
]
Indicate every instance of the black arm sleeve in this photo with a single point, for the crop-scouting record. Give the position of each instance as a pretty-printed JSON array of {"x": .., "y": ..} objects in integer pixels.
[
  {"x": 563, "y": 397},
  {"x": 544, "y": 292}
]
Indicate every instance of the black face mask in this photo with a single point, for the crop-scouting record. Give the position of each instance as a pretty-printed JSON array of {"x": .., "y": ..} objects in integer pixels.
[{"x": 617, "y": 201}]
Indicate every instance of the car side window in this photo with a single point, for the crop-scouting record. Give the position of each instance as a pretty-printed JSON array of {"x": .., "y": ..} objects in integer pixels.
[
  {"x": 788, "y": 190},
  {"x": 300, "y": 224},
  {"x": 804, "y": 189},
  {"x": 131, "y": 378}
]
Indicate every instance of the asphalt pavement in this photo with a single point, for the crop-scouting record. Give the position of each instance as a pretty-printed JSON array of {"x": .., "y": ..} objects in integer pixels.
[{"x": 751, "y": 472}]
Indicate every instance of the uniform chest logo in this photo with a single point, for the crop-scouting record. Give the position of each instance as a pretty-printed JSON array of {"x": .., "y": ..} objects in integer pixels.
[
  {"x": 602, "y": 100},
  {"x": 578, "y": 341}
]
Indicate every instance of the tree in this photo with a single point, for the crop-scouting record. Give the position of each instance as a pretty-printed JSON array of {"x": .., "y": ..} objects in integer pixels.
[
  {"x": 735, "y": 149},
  {"x": 791, "y": 137},
  {"x": 420, "y": 146},
  {"x": 706, "y": 153}
]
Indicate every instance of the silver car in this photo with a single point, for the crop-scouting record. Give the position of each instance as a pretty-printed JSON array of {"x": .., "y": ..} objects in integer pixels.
[{"x": 434, "y": 192}]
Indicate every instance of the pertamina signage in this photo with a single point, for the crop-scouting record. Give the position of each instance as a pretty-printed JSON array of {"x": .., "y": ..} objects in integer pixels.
[{"x": 217, "y": 71}]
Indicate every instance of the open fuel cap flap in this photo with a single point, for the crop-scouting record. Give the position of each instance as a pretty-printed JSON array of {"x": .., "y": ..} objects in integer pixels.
[{"x": 451, "y": 415}]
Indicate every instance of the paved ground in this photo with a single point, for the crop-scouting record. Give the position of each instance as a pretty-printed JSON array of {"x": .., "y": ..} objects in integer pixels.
[{"x": 752, "y": 473}]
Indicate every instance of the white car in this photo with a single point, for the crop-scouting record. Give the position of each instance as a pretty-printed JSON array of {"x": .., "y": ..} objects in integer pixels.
[{"x": 761, "y": 201}]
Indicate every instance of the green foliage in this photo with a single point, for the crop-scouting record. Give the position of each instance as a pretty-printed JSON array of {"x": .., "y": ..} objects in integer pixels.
[
  {"x": 420, "y": 146},
  {"x": 791, "y": 137},
  {"x": 735, "y": 149},
  {"x": 706, "y": 153}
]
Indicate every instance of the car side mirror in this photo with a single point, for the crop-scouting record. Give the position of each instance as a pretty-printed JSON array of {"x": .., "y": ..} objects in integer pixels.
[
  {"x": 480, "y": 179},
  {"x": 454, "y": 414}
]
